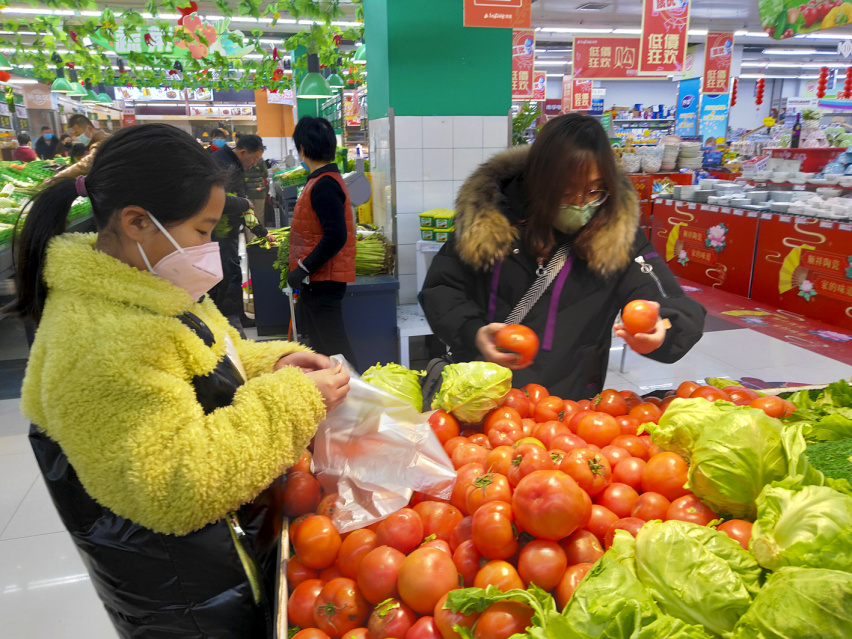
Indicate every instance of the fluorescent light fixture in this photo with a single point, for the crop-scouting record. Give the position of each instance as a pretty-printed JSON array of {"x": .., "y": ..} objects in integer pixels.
[
  {"x": 555, "y": 75},
  {"x": 826, "y": 36},
  {"x": 23, "y": 81},
  {"x": 756, "y": 34},
  {"x": 574, "y": 30},
  {"x": 23, "y": 33},
  {"x": 549, "y": 50},
  {"x": 755, "y": 76},
  {"x": 628, "y": 31},
  {"x": 802, "y": 51},
  {"x": 551, "y": 63},
  {"x": 697, "y": 32}
]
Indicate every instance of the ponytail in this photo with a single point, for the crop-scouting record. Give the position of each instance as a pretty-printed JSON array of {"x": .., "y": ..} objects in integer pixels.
[{"x": 45, "y": 220}]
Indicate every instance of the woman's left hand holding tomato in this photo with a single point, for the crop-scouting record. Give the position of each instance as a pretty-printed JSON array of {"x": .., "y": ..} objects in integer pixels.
[{"x": 644, "y": 343}]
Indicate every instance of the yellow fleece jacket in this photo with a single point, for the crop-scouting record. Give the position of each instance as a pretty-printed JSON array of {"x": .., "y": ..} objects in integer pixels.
[{"x": 110, "y": 380}]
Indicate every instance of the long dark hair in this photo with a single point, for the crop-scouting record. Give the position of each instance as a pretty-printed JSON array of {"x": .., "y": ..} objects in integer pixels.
[
  {"x": 559, "y": 159},
  {"x": 154, "y": 166}
]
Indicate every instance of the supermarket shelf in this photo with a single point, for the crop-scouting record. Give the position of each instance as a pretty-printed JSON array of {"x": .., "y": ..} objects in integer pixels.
[{"x": 7, "y": 269}]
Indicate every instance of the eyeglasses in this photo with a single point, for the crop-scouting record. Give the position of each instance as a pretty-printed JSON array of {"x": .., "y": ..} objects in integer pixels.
[{"x": 591, "y": 198}]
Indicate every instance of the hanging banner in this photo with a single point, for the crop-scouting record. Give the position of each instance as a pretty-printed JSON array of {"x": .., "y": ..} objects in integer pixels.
[
  {"x": 663, "y": 43},
  {"x": 511, "y": 14},
  {"x": 566, "y": 93},
  {"x": 787, "y": 18},
  {"x": 605, "y": 58},
  {"x": 717, "y": 62},
  {"x": 284, "y": 96},
  {"x": 523, "y": 59},
  {"x": 539, "y": 86},
  {"x": 713, "y": 122},
  {"x": 686, "y": 118},
  {"x": 581, "y": 95},
  {"x": 128, "y": 116},
  {"x": 351, "y": 108}
]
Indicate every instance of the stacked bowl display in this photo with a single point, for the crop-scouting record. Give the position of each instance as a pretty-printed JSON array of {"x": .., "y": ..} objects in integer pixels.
[{"x": 691, "y": 156}]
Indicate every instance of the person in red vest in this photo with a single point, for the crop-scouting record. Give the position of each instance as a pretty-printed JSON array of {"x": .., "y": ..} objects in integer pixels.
[{"x": 322, "y": 240}]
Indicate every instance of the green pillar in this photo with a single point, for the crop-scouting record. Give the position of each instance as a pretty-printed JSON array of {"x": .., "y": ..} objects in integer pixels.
[{"x": 439, "y": 96}]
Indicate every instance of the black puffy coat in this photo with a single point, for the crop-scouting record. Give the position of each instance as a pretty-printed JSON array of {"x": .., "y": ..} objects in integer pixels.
[{"x": 484, "y": 270}]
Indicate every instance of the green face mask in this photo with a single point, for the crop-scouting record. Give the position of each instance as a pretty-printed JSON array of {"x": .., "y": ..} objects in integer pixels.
[{"x": 572, "y": 218}]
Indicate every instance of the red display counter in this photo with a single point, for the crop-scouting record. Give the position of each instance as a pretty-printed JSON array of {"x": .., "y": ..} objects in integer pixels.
[
  {"x": 711, "y": 245},
  {"x": 804, "y": 266},
  {"x": 648, "y": 184},
  {"x": 813, "y": 159}
]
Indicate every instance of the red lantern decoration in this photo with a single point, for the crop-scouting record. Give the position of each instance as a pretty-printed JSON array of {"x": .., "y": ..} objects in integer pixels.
[
  {"x": 847, "y": 85},
  {"x": 822, "y": 83},
  {"x": 758, "y": 93},
  {"x": 734, "y": 84}
]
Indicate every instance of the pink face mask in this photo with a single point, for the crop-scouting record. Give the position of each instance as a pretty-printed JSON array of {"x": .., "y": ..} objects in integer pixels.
[{"x": 196, "y": 269}]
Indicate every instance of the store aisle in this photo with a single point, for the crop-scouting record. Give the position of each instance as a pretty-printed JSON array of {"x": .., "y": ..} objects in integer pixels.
[{"x": 45, "y": 590}]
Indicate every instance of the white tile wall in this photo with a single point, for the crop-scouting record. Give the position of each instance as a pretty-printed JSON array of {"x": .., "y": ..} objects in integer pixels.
[
  {"x": 409, "y": 165},
  {"x": 438, "y": 132},
  {"x": 438, "y": 194},
  {"x": 406, "y": 254},
  {"x": 408, "y": 228},
  {"x": 408, "y": 289},
  {"x": 465, "y": 162},
  {"x": 489, "y": 152},
  {"x": 409, "y": 197},
  {"x": 495, "y": 131},
  {"x": 467, "y": 131},
  {"x": 408, "y": 131},
  {"x": 438, "y": 164}
]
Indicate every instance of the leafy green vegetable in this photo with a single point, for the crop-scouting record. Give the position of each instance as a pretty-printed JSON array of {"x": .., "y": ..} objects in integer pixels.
[
  {"x": 802, "y": 603},
  {"x": 736, "y": 456},
  {"x": 398, "y": 381},
  {"x": 469, "y": 600},
  {"x": 810, "y": 527},
  {"x": 470, "y": 390},
  {"x": 697, "y": 574},
  {"x": 668, "y": 627},
  {"x": 684, "y": 421},
  {"x": 826, "y": 417}
]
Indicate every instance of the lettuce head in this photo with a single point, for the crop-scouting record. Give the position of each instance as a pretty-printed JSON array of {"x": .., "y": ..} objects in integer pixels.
[
  {"x": 398, "y": 381},
  {"x": 684, "y": 421},
  {"x": 471, "y": 390}
]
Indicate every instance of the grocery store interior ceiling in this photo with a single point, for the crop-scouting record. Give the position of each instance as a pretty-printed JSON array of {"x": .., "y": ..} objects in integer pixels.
[{"x": 557, "y": 21}]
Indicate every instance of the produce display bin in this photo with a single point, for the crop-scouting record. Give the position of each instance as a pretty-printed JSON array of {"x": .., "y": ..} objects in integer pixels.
[
  {"x": 271, "y": 308},
  {"x": 369, "y": 313}
]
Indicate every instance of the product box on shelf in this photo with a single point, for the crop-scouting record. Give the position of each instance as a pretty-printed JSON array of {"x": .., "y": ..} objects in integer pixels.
[
  {"x": 435, "y": 235},
  {"x": 437, "y": 219}
]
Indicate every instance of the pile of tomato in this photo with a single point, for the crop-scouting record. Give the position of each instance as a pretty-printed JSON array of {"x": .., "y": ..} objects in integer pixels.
[{"x": 543, "y": 484}]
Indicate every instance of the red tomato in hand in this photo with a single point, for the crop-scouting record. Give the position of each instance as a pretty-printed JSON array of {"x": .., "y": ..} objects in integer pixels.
[
  {"x": 402, "y": 530},
  {"x": 738, "y": 530},
  {"x": 340, "y": 607},
  {"x": 598, "y": 428},
  {"x": 520, "y": 339},
  {"x": 629, "y": 471},
  {"x": 316, "y": 542},
  {"x": 631, "y": 524},
  {"x": 619, "y": 498},
  {"x": 390, "y": 619},
  {"x": 650, "y": 506},
  {"x": 689, "y": 508},
  {"x": 444, "y": 425},
  {"x": 300, "y": 605},
  {"x": 665, "y": 473},
  {"x": 582, "y": 547},
  {"x": 502, "y": 620},
  {"x": 378, "y": 573},
  {"x": 424, "y": 577},
  {"x": 542, "y": 563},
  {"x": 611, "y": 402},
  {"x": 639, "y": 316},
  {"x": 589, "y": 469},
  {"x": 570, "y": 580},
  {"x": 549, "y": 504}
]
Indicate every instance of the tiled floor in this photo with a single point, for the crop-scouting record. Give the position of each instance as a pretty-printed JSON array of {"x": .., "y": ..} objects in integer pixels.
[{"x": 45, "y": 590}]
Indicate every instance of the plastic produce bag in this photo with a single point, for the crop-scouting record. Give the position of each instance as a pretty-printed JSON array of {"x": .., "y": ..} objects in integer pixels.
[{"x": 375, "y": 450}]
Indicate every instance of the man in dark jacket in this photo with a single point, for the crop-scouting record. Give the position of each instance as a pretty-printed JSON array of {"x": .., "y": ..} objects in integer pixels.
[
  {"x": 486, "y": 268},
  {"x": 228, "y": 294},
  {"x": 47, "y": 144}
]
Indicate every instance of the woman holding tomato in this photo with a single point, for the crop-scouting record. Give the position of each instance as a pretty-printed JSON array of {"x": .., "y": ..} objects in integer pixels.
[{"x": 513, "y": 215}]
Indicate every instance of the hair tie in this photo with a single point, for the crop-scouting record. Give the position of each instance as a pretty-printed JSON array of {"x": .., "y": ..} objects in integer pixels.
[{"x": 80, "y": 182}]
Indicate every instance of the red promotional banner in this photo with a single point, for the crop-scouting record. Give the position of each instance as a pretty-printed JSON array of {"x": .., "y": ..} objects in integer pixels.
[
  {"x": 607, "y": 58},
  {"x": 707, "y": 244},
  {"x": 803, "y": 266},
  {"x": 511, "y": 14},
  {"x": 523, "y": 58},
  {"x": 581, "y": 95},
  {"x": 539, "y": 86},
  {"x": 717, "y": 62},
  {"x": 566, "y": 93},
  {"x": 662, "y": 48}
]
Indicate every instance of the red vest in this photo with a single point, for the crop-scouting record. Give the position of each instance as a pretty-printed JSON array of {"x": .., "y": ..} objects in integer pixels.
[{"x": 306, "y": 232}]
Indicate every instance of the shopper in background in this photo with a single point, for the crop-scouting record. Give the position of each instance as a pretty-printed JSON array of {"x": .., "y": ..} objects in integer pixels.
[
  {"x": 24, "y": 152},
  {"x": 65, "y": 144},
  {"x": 47, "y": 144},
  {"x": 516, "y": 213},
  {"x": 228, "y": 294},
  {"x": 322, "y": 240},
  {"x": 77, "y": 152},
  {"x": 161, "y": 435},
  {"x": 218, "y": 140},
  {"x": 85, "y": 132}
]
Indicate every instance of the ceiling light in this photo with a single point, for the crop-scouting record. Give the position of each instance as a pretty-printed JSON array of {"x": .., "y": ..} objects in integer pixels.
[
  {"x": 573, "y": 30},
  {"x": 335, "y": 81},
  {"x": 628, "y": 31},
  {"x": 360, "y": 55},
  {"x": 555, "y": 75},
  {"x": 549, "y": 50},
  {"x": 826, "y": 36},
  {"x": 550, "y": 63},
  {"x": 593, "y": 6},
  {"x": 23, "y": 81},
  {"x": 792, "y": 52},
  {"x": 756, "y": 34},
  {"x": 697, "y": 32}
]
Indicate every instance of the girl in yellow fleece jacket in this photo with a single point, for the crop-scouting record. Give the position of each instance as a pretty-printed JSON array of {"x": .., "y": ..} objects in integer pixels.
[{"x": 162, "y": 436}]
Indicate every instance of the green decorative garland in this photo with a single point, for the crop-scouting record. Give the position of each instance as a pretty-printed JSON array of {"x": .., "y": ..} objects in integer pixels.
[{"x": 80, "y": 36}]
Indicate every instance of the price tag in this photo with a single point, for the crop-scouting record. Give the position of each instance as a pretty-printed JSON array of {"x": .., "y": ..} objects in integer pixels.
[
  {"x": 845, "y": 227},
  {"x": 826, "y": 225},
  {"x": 800, "y": 187},
  {"x": 785, "y": 218},
  {"x": 765, "y": 216},
  {"x": 692, "y": 207},
  {"x": 725, "y": 209}
]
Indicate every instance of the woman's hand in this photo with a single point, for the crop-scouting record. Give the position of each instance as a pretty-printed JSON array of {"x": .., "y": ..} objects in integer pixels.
[
  {"x": 644, "y": 343},
  {"x": 490, "y": 353},
  {"x": 308, "y": 362},
  {"x": 333, "y": 385}
]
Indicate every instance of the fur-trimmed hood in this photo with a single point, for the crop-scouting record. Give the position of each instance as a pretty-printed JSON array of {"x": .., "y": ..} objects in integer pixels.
[{"x": 485, "y": 234}]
